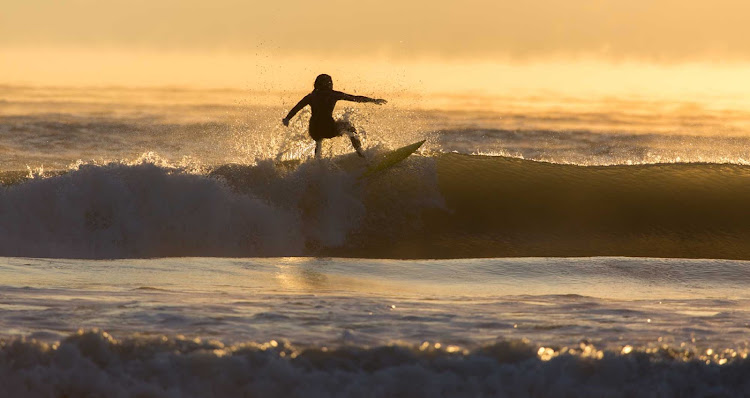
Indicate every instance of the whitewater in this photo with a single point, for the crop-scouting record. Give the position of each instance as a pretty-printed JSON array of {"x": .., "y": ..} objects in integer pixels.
[{"x": 178, "y": 243}]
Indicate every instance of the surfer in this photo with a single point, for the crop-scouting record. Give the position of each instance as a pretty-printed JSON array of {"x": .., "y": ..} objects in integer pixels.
[{"x": 322, "y": 100}]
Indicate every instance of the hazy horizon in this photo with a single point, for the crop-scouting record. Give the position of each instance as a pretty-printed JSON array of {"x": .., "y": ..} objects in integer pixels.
[{"x": 640, "y": 47}]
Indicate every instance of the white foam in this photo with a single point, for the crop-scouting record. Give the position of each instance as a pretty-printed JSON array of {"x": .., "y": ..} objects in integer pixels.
[
  {"x": 140, "y": 210},
  {"x": 96, "y": 364}
]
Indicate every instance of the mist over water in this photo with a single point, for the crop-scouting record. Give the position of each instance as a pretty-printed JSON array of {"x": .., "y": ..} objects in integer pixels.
[{"x": 57, "y": 127}]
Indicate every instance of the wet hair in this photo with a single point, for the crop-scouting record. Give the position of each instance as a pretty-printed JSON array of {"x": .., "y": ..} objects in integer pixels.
[{"x": 323, "y": 82}]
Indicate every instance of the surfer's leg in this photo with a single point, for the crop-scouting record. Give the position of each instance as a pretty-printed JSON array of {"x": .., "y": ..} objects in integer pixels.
[
  {"x": 345, "y": 127},
  {"x": 357, "y": 145},
  {"x": 317, "y": 148}
]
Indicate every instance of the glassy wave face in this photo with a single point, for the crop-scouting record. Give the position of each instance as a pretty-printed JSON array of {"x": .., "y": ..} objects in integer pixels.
[{"x": 430, "y": 206}]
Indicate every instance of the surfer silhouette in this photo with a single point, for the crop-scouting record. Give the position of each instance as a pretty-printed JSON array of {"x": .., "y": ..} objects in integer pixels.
[{"x": 322, "y": 100}]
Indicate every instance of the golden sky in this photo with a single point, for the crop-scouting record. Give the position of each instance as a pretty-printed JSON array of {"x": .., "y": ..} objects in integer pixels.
[
  {"x": 215, "y": 42},
  {"x": 654, "y": 29}
]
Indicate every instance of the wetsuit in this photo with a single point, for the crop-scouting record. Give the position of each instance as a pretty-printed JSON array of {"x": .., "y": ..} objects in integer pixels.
[{"x": 322, "y": 102}]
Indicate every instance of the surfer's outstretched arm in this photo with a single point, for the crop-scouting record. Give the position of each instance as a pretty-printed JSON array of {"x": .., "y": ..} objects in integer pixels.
[
  {"x": 301, "y": 104},
  {"x": 358, "y": 98}
]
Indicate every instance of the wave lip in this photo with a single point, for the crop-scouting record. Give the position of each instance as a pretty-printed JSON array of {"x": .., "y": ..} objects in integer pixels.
[{"x": 93, "y": 363}]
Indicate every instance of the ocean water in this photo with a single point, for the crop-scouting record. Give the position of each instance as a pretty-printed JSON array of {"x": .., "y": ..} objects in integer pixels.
[{"x": 179, "y": 243}]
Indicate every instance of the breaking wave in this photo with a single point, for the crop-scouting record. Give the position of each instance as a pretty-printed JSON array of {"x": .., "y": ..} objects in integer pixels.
[
  {"x": 440, "y": 206},
  {"x": 94, "y": 363}
]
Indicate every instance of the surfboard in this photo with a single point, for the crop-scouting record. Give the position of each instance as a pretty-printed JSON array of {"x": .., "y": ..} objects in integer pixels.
[{"x": 392, "y": 158}]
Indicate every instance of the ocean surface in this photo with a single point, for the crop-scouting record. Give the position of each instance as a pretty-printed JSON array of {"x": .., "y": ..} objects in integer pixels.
[{"x": 183, "y": 243}]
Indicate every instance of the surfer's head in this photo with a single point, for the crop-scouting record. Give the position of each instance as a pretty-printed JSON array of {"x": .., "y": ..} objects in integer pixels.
[{"x": 323, "y": 82}]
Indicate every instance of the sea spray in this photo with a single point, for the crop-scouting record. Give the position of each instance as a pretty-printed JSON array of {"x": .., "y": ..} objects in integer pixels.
[{"x": 143, "y": 210}]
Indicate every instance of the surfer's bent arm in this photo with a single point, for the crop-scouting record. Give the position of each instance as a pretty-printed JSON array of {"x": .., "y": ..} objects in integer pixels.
[
  {"x": 301, "y": 104},
  {"x": 359, "y": 98}
]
